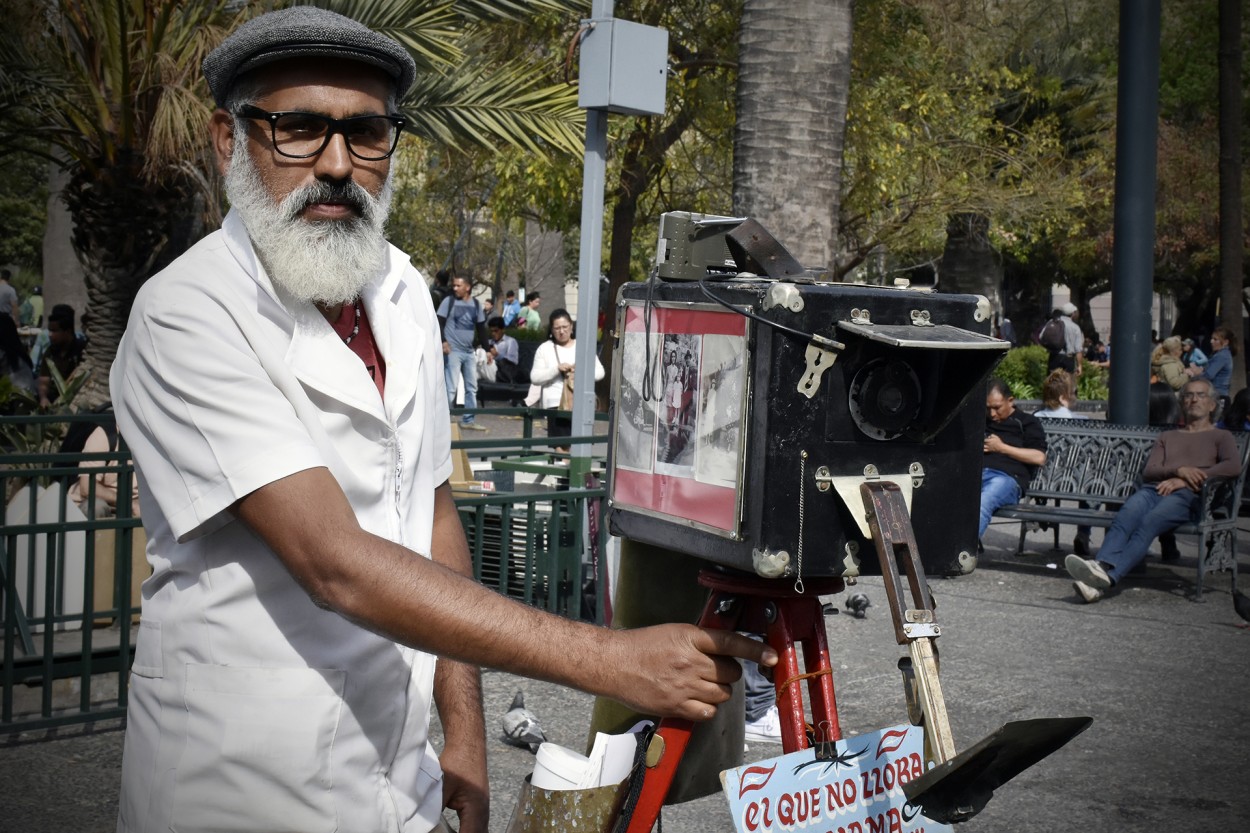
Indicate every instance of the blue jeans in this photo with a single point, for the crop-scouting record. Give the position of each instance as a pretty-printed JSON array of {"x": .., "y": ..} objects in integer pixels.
[
  {"x": 459, "y": 362},
  {"x": 997, "y": 489},
  {"x": 761, "y": 695},
  {"x": 1144, "y": 516}
]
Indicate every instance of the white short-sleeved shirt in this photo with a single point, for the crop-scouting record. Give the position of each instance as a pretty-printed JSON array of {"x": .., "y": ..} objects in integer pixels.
[{"x": 252, "y": 709}]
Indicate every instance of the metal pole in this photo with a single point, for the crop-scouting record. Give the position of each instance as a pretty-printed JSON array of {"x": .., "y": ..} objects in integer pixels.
[
  {"x": 594, "y": 171},
  {"x": 1132, "y": 280}
]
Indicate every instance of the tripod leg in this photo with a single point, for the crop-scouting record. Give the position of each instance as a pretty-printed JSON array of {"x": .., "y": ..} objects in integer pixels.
[
  {"x": 672, "y": 735},
  {"x": 915, "y": 625}
]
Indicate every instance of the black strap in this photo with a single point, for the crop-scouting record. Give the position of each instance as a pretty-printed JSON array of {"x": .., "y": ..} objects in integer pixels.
[{"x": 637, "y": 774}]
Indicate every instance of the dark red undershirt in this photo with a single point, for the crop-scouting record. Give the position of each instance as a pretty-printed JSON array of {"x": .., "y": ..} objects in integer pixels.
[{"x": 362, "y": 344}]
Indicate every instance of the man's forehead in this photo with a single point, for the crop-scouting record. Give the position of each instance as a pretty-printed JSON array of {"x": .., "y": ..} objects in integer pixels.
[{"x": 334, "y": 87}]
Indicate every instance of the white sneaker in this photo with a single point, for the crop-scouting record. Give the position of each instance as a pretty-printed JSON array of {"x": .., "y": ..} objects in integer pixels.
[
  {"x": 1087, "y": 571},
  {"x": 1089, "y": 594},
  {"x": 767, "y": 729}
]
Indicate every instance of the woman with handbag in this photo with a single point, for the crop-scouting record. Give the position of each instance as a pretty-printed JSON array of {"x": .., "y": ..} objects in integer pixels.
[{"x": 552, "y": 372}]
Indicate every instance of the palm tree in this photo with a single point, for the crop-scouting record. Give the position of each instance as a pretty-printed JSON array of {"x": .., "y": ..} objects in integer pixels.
[
  {"x": 792, "y": 121},
  {"x": 112, "y": 89}
]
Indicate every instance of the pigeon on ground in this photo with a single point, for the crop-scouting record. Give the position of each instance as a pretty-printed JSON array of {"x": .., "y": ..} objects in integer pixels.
[
  {"x": 1241, "y": 604},
  {"x": 520, "y": 726},
  {"x": 858, "y": 604}
]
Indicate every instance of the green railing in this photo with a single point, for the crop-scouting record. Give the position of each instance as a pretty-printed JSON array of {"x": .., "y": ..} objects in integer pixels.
[{"x": 71, "y": 601}]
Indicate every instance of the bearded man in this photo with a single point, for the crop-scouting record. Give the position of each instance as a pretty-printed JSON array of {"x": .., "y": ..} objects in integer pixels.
[{"x": 280, "y": 387}]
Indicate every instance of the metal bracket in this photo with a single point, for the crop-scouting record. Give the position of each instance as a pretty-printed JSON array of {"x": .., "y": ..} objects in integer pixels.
[
  {"x": 819, "y": 359},
  {"x": 920, "y": 318},
  {"x": 916, "y": 631},
  {"x": 785, "y": 295},
  {"x": 861, "y": 316},
  {"x": 768, "y": 564}
]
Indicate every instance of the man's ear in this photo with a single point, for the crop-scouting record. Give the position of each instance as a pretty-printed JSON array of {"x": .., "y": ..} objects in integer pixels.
[{"x": 221, "y": 134}]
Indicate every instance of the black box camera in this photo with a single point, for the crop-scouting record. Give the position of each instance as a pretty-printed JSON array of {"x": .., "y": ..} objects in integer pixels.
[{"x": 749, "y": 410}]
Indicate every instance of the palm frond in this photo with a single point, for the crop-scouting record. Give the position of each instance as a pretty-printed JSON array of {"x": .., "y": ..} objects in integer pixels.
[{"x": 484, "y": 105}]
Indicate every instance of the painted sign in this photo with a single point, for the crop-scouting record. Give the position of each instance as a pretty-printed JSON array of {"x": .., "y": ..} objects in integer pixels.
[{"x": 857, "y": 789}]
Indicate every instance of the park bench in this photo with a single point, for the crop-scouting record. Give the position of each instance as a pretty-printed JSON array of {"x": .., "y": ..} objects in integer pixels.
[{"x": 1100, "y": 464}]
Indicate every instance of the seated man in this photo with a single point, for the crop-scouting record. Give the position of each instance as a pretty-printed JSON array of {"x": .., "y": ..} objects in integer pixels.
[
  {"x": 1015, "y": 445},
  {"x": 1179, "y": 463},
  {"x": 501, "y": 361}
]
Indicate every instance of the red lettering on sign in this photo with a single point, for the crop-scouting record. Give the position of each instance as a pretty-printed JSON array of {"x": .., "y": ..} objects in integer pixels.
[
  {"x": 896, "y": 820},
  {"x": 887, "y": 776},
  {"x": 751, "y": 818},
  {"x": 785, "y": 810},
  {"x": 876, "y": 824},
  {"x": 917, "y": 765},
  {"x": 813, "y": 797},
  {"x": 768, "y": 820}
]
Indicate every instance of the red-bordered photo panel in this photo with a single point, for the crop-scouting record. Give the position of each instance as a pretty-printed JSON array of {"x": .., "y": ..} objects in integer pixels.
[{"x": 679, "y": 427}]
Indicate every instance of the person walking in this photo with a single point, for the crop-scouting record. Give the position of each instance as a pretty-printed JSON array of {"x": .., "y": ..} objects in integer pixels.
[
  {"x": 461, "y": 320},
  {"x": 312, "y": 598},
  {"x": 529, "y": 317}
]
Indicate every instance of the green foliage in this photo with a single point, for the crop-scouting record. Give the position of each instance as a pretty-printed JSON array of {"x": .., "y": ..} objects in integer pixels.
[
  {"x": 954, "y": 110},
  {"x": 528, "y": 333},
  {"x": 1092, "y": 383},
  {"x": 23, "y": 211},
  {"x": 1024, "y": 371}
]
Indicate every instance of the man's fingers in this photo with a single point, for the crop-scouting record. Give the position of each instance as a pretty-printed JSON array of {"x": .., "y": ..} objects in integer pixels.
[{"x": 732, "y": 644}]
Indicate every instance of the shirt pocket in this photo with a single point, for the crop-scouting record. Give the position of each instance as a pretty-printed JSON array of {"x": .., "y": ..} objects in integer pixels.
[{"x": 258, "y": 750}]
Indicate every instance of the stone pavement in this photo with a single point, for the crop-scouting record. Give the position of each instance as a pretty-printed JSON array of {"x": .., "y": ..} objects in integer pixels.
[{"x": 1166, "y": 680}]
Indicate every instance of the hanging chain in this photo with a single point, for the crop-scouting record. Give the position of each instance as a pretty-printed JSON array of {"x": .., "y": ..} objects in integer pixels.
[{"x": 798, "y": 581}]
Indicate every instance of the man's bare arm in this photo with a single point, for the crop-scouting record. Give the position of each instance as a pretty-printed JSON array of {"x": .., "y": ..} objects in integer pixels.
[
  {"x": 458, "y": 691},
  {"x": 668, "y": 670}
]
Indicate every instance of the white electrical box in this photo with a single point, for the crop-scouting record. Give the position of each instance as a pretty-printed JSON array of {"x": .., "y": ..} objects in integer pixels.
[{"x": 624, "y": 68}]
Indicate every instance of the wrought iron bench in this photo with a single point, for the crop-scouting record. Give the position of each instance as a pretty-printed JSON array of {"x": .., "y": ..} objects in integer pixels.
[{"x": 1100, "y": 464}]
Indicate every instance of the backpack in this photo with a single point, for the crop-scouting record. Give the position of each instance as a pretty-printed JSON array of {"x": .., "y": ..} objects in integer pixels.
[{"x": 1052, "y": 335}]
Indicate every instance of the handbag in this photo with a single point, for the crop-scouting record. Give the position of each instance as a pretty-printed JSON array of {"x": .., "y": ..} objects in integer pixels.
[{"x": 566, "y": 393}]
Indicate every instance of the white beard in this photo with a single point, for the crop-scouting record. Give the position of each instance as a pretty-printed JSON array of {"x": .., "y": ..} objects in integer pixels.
[{"x": 325, "y": 262}]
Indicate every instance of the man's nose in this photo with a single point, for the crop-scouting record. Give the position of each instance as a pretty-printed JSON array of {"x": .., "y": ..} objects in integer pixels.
[{"x": 335, "y": 161}]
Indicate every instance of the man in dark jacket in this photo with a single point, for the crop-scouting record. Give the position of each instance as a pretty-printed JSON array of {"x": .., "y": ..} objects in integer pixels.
[{"x": 1015, "y": 445}]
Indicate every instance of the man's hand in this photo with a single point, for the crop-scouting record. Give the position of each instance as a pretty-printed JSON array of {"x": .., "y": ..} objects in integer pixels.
[
  {"x": 1172, "y": 484},
  {"x": 466, "y": 789},
  {"x": 994, "y": 444},
  {"x": 1192, "y": 476},
  {"x": 679, "y": 670},
  {"x": 446, "y": 348}
]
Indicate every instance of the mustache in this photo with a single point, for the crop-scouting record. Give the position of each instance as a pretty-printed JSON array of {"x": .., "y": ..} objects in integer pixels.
[{"x": 347, "y": 192}]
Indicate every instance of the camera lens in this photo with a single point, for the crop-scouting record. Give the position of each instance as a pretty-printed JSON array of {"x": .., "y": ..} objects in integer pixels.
[{"x": 885, "y": 398}]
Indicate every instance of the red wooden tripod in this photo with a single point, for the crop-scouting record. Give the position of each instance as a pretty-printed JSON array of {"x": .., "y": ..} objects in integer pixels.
[{"x": 789, "y": 619}]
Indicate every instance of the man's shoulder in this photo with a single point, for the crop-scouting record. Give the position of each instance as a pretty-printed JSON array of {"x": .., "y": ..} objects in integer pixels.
[{"x": 1026, "y": 418}]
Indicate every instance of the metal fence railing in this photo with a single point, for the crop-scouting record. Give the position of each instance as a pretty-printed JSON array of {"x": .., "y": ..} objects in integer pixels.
[{"x": 71, "y": 567}]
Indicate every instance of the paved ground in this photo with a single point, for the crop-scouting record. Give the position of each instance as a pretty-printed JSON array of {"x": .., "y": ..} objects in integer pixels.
[{"x": 1166, "y": 680}]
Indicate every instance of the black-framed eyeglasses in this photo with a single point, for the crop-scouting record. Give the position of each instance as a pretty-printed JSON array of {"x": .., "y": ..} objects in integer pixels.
[{"x": 300, "y": 135}]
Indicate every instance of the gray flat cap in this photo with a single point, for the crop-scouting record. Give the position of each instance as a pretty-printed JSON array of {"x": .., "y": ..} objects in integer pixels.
[{"x": 298, "y": 32}]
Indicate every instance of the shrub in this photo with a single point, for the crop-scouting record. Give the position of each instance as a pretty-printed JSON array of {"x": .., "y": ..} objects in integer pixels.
[{"x": 1024, "y": 371}]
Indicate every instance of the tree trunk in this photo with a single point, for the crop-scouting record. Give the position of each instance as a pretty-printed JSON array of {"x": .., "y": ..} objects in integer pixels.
[
  {"x": 124, "y": 230},
  {"x": 1232, "y": 236},
  {"x": 969, "y": 263},
  {"x": 544, "y": 266},
  {"x": 794, "y": 72}
]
